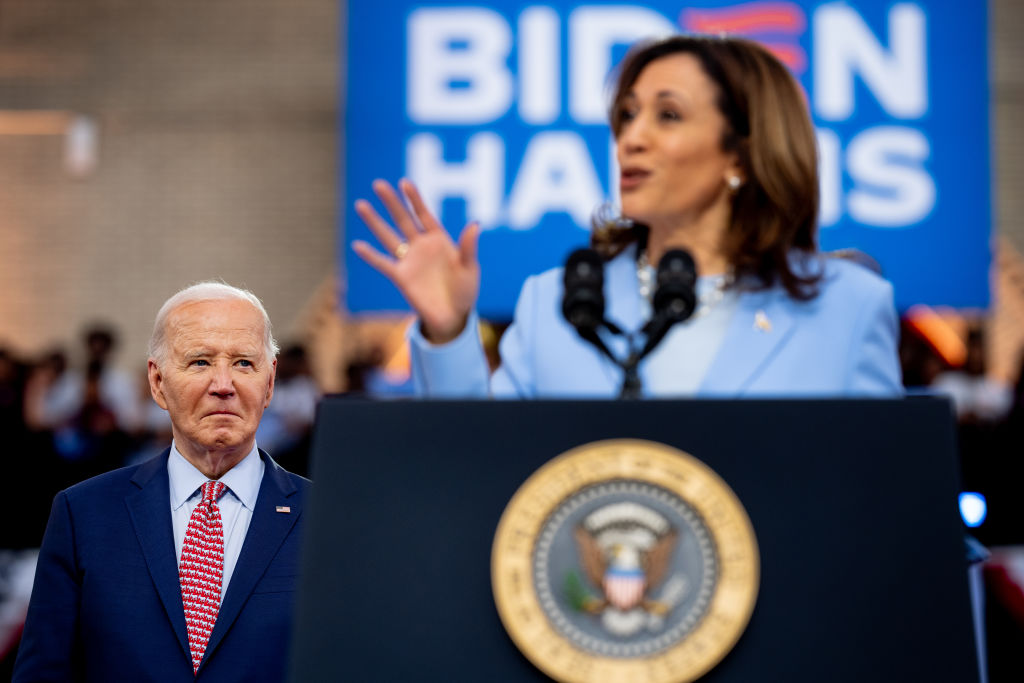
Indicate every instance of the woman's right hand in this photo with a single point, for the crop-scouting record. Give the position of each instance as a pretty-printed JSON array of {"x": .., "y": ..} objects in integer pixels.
[{"x": 439, "y": 278}]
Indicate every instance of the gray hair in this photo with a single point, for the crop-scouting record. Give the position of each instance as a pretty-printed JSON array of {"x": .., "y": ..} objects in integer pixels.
[{"x": 210, "y": 290}]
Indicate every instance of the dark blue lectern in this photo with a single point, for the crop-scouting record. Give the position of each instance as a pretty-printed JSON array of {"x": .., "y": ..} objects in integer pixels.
[{"x": 854, "y": 505}]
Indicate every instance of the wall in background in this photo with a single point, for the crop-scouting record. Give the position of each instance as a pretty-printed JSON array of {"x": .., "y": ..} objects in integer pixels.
[{"x": 212, "y": 129}]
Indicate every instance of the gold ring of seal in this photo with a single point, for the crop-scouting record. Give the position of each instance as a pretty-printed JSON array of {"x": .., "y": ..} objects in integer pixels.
[{"x": 512, "y": 571}]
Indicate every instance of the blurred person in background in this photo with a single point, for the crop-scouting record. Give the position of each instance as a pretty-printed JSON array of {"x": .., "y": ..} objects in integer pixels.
[
  {"x": 90, "y": 412},
  {"x": 12, "y": 389},
  {"x": 97, "y": 380},
  {"x": 1013, "y": 423},
  {"x": 920, "y": 361},
  {"x": 992, "y": 459},
  {"x": 23, "y": 461},
  {"x": 718, "y": 157},
  {"x": 981, "y": 402},
  {"x": 43, "y": 466},
  {"x": 977, "y": 397},
  {"x": 287, "y": 424},
  {"x": 43, "y": 376},
  {"x": 154, "y": 430}
]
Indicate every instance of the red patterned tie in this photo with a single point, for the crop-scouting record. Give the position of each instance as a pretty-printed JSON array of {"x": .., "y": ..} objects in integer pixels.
[{"x": 201, "y": 570}]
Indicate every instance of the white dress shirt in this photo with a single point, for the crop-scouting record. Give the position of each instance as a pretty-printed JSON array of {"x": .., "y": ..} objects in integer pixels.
[{"x": 236, "y": 504}]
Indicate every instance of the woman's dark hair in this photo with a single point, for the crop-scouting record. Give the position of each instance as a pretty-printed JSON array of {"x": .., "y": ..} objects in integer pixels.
[{"x": 768, "y": 126}]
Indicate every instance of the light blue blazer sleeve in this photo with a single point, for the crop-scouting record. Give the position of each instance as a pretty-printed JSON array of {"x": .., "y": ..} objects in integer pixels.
[
  {"x": 459, "y": 368},
  {"x": 875, "y": 368}
]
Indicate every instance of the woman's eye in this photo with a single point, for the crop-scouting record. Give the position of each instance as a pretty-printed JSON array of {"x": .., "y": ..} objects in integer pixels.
[
  {"x": 200, "y": 363},
  {"x": 627, "y": 115},
  {"x": 245, "y": 363},
  {"x": 670, "y": 115}
]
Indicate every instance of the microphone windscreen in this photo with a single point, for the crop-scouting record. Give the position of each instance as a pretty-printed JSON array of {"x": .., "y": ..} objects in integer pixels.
[
  {"x": 583, "y": 296},
  {"x": 675, "y": 297}
]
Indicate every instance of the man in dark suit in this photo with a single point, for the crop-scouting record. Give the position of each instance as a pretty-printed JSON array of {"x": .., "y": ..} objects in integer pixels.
[{"x": 182, "y": 568}]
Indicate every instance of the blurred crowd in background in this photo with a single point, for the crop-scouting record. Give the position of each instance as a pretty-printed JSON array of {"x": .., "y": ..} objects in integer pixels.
[
  {"x": 71, "y": 413},
  {"x": 990, "y": 419}
]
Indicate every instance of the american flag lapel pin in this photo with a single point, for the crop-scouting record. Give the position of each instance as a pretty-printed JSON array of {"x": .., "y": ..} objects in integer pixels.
[{"x": 283, "y": 508}]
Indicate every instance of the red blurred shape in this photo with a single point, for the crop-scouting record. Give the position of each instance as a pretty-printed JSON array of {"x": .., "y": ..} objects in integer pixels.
[
  {"x": 938, "y": 332},
  {"x": 790, "y": 55},
  {"x": 753, "y": 17}
]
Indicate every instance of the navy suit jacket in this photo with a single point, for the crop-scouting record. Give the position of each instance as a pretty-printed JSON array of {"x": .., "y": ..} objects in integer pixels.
[{"x": 106, "y": 604}]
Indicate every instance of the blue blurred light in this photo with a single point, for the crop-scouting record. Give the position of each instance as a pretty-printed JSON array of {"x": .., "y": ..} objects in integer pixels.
[{"x": 973, "y": 508}]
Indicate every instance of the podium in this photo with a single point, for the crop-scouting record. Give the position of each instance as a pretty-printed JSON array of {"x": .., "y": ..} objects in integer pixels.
[{"x": 853, "y": 503}]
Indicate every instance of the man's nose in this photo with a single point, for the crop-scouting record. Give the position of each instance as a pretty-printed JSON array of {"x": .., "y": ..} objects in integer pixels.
[{"x": 221, "y": 383}]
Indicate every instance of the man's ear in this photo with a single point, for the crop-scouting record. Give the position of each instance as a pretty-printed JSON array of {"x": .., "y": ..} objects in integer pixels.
[
  {"x": 270, "y": 385},
  {"x": 156, "y": 383}
]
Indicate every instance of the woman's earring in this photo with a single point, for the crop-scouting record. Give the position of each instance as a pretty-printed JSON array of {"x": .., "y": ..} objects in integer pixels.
[{"x": 734, "y": 182}]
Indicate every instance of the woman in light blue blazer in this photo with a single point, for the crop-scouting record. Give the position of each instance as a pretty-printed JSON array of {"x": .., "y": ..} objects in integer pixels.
[{"x": 717, "y": 157}]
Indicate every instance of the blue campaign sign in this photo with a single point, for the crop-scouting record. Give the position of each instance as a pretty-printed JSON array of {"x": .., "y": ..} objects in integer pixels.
[{"x": 498, "y": 113}]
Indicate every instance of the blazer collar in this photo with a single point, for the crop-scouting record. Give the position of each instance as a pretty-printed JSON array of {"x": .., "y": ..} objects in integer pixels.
[
  {"x": 762, "y": 322},
  {"x": 267, "y": 531}
]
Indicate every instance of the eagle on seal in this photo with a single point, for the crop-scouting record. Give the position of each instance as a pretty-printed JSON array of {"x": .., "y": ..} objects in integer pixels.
[{"x": 626, "y": 561}]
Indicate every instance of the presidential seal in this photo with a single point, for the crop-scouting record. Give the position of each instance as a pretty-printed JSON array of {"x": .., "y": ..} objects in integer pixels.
[{"x": 625, "y": 560}]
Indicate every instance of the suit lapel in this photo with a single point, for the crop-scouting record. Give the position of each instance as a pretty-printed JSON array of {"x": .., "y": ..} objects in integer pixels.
[
  {"x": 267, "y": 531},
  {"x": 150, "y": 513},
  {"x": 762, "y": 322}
]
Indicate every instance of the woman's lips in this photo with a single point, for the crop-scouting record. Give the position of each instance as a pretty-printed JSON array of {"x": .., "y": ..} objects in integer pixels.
[{"x": 632, "y": 177}]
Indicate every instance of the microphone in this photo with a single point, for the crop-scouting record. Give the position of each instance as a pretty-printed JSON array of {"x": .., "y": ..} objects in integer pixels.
[
  {"x": 675, "y": 298},
  {"x": 583, "y": 298}
]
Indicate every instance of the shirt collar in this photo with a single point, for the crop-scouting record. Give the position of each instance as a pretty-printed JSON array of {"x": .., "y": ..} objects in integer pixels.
[{"x": 243, "y": 480}]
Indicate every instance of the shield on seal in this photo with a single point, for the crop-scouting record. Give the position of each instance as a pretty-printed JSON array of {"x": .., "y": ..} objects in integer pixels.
[{"x": 624, "y": 588}]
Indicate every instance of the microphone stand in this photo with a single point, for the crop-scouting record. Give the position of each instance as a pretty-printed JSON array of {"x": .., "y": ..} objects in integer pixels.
[
  {"x": 583, "y": 306},
  {"x": 656, "y": 330},
  {"x": 632, "y": 387}
]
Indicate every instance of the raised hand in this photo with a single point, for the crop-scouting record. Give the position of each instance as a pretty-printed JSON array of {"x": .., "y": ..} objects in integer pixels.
[{"x": 439, "y": 278}]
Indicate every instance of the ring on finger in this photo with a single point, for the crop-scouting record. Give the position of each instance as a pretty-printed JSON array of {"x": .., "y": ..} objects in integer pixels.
[{"x": 401, "y": 250}]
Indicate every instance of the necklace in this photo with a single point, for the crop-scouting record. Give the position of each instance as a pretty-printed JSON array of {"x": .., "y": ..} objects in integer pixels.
[{"x": 706, "y": 300}]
